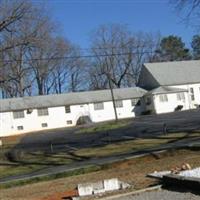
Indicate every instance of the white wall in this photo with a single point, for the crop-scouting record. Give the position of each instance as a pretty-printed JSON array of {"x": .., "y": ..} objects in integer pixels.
[
  {"x": 196, "y": 88},
  {"x": 164, "y": 107},
  {"x": 171, "y": 104},
  {"x": 108, "y": 112},
  {"x": 57, "y": 117}
]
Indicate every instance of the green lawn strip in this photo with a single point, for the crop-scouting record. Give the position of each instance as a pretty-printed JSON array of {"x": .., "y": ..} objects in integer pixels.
[
  {"x": 11, "y": 170},
  {"x": 133, "y": 145},
  {"x": 180, "y": 135},
  {"x": 38, "y": 160},
  {"x": 121, "y": 147},
  {"x": 48, "y": 158},
  {"x": 32, "y": 162},
  {"x": 106, "y": 126},
  {"x": 85, "y": 170}
]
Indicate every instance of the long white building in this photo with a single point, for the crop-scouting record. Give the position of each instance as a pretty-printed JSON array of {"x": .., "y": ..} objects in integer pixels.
[{"x": 21, "y": 115}]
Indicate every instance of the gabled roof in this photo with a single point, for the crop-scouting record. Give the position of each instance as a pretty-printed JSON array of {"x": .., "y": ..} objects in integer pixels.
[
  {"x": 165, "y": 90},
  {"x": 75, "y": 98},
  {"x": 175, "y": 73}
]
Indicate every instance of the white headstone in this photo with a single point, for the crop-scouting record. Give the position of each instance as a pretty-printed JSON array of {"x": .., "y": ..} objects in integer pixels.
[
  {"x": 85, "y": 189},
  {"x": 111, "y": 184}
]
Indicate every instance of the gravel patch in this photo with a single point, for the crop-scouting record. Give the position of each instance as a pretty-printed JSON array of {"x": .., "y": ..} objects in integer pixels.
[{"x": 161, "y": 195}]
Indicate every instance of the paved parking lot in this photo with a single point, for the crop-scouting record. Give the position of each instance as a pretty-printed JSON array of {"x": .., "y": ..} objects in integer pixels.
[{"x": 162, "y": 195}]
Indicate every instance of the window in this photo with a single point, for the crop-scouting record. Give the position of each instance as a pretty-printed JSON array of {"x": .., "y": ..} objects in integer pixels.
[
  {"x": 119, "y": 104},
  {"x": 180, "y": 96},
  {"x": 18, "y": 114},
  {"x": 148, "y": 101},
  {"x": 19, "y": 128},
  {"x": 69, "y": 121},
  {"x": 44, "y": 125},
  {"x": 163, "y": 98},
  {"x": 67, "y": 109},
  {"x": 43, "y": 111},
  {"x": 29, "y": 111},
  {"x": 192, "y": 94},
  {"x": 98, "y": 106},
  {"x": 135, "y": 102}
]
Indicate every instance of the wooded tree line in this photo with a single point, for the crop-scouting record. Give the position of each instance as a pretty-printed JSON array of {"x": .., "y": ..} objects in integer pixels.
[{"x": 36, "y": 60}]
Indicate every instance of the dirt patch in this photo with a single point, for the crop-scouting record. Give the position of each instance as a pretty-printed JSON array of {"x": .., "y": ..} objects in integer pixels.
[{"x": 132, "y": 171}]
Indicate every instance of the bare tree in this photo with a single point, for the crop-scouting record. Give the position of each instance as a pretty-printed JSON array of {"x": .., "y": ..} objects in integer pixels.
[
  {"x": 12, "y": 46},
  {"x": 68, "y": 73},
  {"x": 111, "y": 47},
  {"x": 43, "y": 60},
  {"x": 189, "y": 10},
  {"x": 27, "y": 24},
  {"x": 77, "y": 72},
  {"x": 119, "y": 55},
  {"x": 11, "y": 14},
  {"x": 34, "y": 60}
]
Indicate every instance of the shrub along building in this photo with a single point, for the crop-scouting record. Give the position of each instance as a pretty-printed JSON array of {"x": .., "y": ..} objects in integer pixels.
[{"x": 163, "y": 87}]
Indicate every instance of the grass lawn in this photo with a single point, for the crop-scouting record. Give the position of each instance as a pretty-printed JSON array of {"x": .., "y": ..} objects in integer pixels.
[
  {"x": 121, "y": 147},
  {"x": 105, "y": 126},
  {"x": 133, "y": 145},
  {"x": 29, "y": 162},
  {"x": 26, "y": 161},
  {"x": 32, "y": 161},
  {"x": 132, "y": 171}
]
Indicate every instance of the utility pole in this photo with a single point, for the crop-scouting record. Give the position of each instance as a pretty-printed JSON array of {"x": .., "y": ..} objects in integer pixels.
[{"x": 112, "y": 96}]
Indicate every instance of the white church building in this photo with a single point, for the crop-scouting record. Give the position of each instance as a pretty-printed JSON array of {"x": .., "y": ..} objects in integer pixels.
[
  {"x": 171, "y": 86},
  {"x": 163, "y": 87}
]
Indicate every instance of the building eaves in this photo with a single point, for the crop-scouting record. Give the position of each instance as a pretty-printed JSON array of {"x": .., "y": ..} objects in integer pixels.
[
  {"x": 75, "y": 98},
  {"x": 165, "y": 90}
]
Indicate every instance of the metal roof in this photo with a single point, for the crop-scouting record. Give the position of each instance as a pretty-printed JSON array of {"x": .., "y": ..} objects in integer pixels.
[
  {"x": 165, "y": 90},
  {"x": 75, "y": 98},
  {"x": 176, "y": 72}
]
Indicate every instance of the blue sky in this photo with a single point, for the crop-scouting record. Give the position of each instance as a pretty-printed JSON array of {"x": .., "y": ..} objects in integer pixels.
[{"x": 78, "y": 18}]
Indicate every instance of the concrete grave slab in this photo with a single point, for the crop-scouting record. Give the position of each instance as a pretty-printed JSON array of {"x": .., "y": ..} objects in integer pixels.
[
  {"x": 98, "y": 185},
  {"x": 158, "y": 175},
  {"x": 191, "y": 173},
  {"x": 101, "y": 187},
  {"x": 111, "y": 184},
  {"x": 85, "y": 189},
  {"x": 123, "y": 185}
]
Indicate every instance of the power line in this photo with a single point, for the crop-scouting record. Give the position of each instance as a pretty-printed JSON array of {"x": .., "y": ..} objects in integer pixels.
[
  {"x": 77, "y": 57},
  {"x": 136, "y": 52},
  {"x": 117, "y": 47}
]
